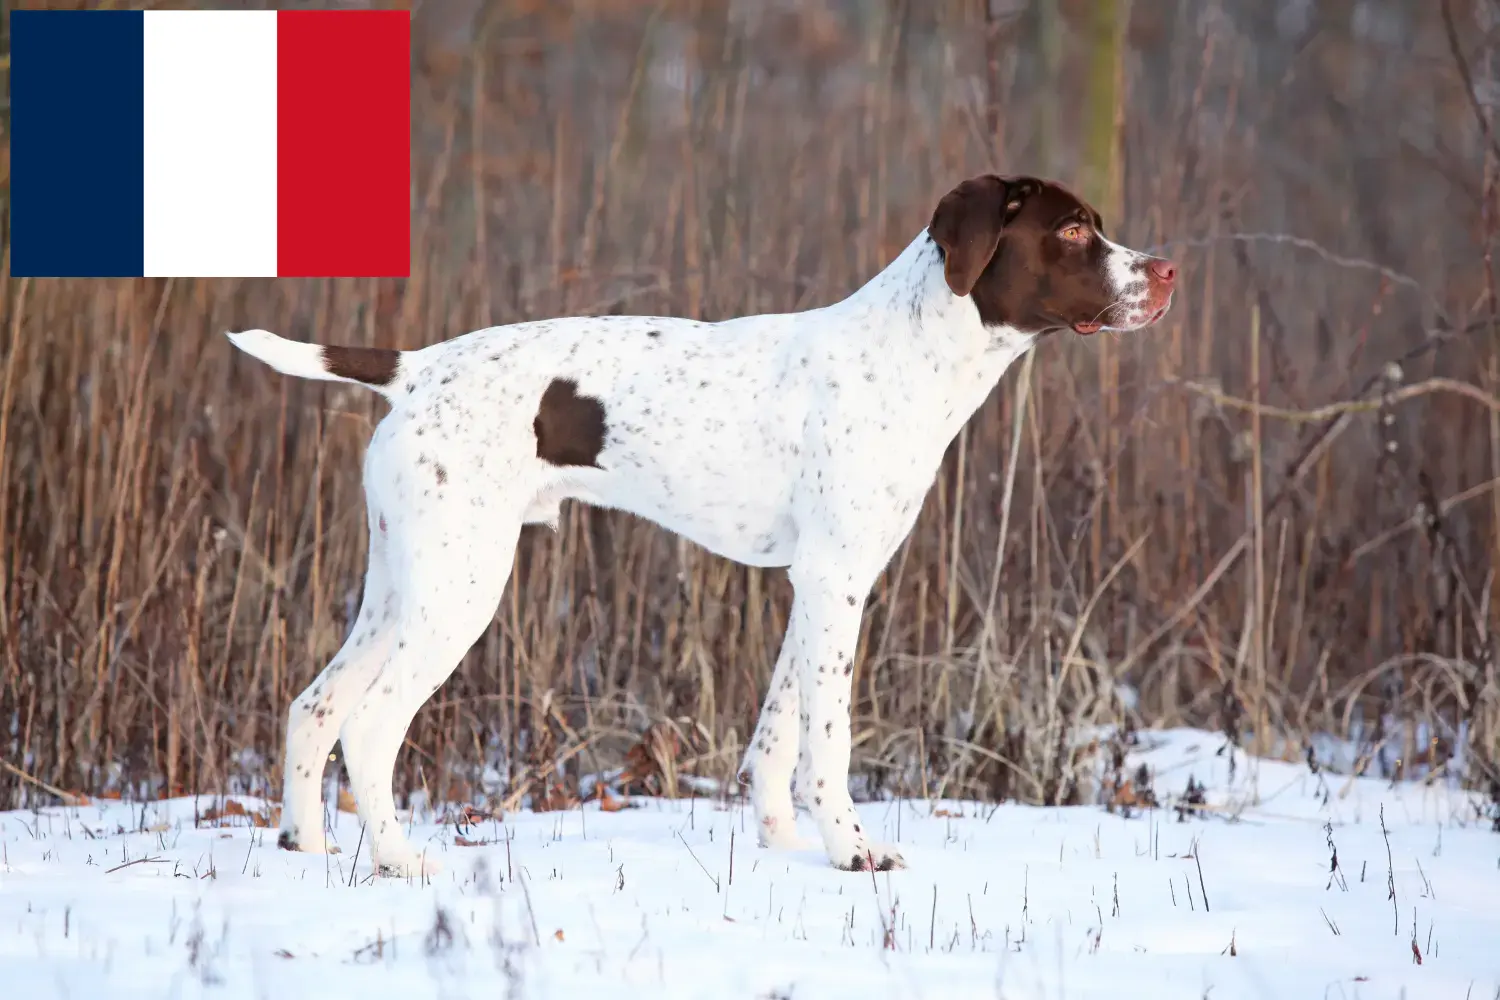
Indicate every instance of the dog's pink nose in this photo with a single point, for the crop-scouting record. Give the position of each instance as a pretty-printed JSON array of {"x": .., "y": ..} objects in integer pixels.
[{"x": 1164, "y": 271}]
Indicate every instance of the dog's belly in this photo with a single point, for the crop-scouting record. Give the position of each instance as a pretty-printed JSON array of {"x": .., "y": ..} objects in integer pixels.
[{"x": 738, "y": 510}]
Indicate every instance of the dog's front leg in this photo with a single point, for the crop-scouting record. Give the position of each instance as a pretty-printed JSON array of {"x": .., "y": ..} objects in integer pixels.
[{"x": 827, "y": 611}]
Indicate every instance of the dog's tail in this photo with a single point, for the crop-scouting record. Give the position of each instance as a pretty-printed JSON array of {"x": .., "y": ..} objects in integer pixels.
[{"x": 380, "y": 368}]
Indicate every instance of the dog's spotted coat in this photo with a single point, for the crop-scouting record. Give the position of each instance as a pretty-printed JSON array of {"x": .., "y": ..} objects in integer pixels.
[{"x": 806, "y": 440}]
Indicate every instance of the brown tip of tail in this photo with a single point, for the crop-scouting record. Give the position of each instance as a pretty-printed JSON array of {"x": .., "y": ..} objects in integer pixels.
[{"x": 374, "y": 366}]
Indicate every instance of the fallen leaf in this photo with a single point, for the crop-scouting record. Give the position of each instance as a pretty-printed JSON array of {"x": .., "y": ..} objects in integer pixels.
[
  {"x": 230, "y": 808},
  {"x": 608, "y": 803},
  {"x": 553, "y": 798},
  {"x": 266, "y": 817},
  {"x": 475, "y": 814},
  {"x": 460, "y": 840},
  {"x": 233, "y": 809},
  {"x": 948, "y": 813},
  {"x": 559, "y": 934},
  {"x": 652, "y": 763}
]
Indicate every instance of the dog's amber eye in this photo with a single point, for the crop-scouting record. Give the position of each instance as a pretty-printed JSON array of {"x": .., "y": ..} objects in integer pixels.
[{"x": 1074, "y": 234}]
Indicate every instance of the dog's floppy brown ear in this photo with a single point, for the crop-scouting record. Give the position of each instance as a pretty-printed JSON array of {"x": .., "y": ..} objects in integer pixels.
[
  {"x": 969, "y": 220},
  {"x": 967, "y": 224}
]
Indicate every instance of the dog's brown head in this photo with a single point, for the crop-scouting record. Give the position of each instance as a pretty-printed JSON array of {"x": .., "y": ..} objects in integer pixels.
[{"x": 1032, "y": 255}]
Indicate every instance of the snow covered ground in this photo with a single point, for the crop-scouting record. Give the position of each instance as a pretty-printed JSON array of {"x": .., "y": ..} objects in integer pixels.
[{"x": 673, "y": 899}]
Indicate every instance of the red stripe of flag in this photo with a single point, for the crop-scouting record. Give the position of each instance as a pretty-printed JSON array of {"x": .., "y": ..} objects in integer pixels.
[{"x": 343, "y": 134}]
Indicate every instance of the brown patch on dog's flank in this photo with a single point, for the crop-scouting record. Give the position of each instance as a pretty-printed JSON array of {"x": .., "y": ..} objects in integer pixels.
[
  {"x": 569, "y": 427},
  {"x": 370, "y": 365}
]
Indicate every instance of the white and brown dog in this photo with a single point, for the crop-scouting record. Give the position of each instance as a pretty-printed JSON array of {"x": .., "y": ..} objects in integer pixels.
[{"x": 806, "y": 440}]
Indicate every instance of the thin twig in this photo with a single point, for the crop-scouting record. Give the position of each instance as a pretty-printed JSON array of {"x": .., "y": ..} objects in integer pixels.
[
  {"x": 1302, "y": 242},
  {"x": 137, "y": 861},
  {"x": 536, "y": 937},
  {"x": 1413, "y": 523},
  {"x": 354, "y": 861},
  {"x": 1390, "y": 870},
  {"x": 712, "y": 878},
  {"x": 1203, "y": 889},
  {"x": 887, "y": 932},
  {"x": 1332, "y": 410}
]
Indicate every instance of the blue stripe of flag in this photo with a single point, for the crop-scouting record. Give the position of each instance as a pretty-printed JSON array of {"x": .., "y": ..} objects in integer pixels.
[{"x": 77, "y": 143}]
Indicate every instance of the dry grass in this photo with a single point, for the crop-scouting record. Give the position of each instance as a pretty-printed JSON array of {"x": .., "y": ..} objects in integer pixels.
[{"x": 1165, "y": 516}]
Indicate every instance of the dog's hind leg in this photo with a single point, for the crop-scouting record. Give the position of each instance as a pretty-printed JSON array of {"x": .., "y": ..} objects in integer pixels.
[
  {"x": 453, "y": 570},
  {"x": 314, "y": 719}
]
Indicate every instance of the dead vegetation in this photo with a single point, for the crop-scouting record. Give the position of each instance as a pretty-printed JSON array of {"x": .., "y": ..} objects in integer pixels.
[{"x": 1275, "y": 515}]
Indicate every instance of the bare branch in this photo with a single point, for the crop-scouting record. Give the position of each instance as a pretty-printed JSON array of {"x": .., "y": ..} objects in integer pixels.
[{"x": 1331, "y": 410}]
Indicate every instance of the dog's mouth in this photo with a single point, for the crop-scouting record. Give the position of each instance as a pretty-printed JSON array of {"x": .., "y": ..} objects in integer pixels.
[
  {"x": 1090, "y": 327},
  {"x": 1160, "y": 311}
]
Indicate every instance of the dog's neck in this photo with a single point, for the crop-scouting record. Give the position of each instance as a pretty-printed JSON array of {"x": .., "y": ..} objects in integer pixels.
[
  {"x": 913, "y": 292},
  {"x": 937, "y": 333}
]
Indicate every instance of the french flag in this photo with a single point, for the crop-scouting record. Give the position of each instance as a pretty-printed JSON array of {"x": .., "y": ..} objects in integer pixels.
[{"x": 210, "y": 143}]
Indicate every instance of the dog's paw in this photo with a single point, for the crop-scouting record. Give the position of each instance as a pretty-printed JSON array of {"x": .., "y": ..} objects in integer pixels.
[
  {"x": 879, "y": 857},
  {"x": 286, "y": 840},
  {"x": 406, "y": 864}
]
